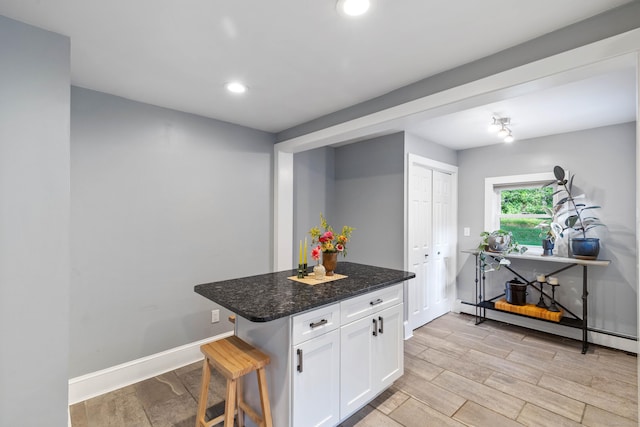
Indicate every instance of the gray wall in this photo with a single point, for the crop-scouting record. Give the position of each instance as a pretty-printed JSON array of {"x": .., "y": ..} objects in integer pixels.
[
  {"x": 313, "y": 189},
  {"x": 431, "y": 150},
  {"x": 607, "y": 24},
  {"x": 34, "y": 225},
  {"x": 603, "y": 161},
  {"x": 369, "y": 196},
  {"x": 161, "y": 201}
]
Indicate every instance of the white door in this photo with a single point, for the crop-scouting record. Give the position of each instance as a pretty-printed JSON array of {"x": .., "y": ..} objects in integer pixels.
[
  {"x": 420, "y": 228},
  {"x": 431, "y": 231},
  {"x": 439, "y": 293},
  {"x": 316, "y": 381}
]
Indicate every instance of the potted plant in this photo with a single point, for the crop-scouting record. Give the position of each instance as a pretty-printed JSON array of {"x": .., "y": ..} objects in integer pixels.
[
  {"x": 575, "y": 216},
  {"x": 500, "y": 242},
  {"x": 549, "y": 232},
  {"x": 329, "y": 243}
]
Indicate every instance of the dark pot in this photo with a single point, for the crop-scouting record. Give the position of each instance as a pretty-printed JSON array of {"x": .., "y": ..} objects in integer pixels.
[
  {"x": 585, "y": 248},
  {"x": 516, "y": 292},
  {"x": 547, "y": 246}
]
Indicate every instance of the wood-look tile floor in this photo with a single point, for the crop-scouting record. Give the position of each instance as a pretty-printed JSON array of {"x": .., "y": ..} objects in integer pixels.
[{"x": 456, "y": 374}]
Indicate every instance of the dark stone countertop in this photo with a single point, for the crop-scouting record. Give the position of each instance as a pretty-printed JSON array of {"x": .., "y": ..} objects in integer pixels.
[{"x": 270, "y": 296}]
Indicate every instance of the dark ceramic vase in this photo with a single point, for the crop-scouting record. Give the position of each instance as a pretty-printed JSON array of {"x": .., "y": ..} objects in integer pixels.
[
  {"x": 585, "y": 248},
  {"x": 330, "y": 261},
  {"x": 547, "y": 246}
]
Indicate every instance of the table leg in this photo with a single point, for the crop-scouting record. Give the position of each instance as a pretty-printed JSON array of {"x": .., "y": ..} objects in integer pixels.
[{"x": 585, "y": 294}]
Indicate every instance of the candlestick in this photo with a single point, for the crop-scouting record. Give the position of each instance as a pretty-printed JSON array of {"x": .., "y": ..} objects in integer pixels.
[{"x": 300, "y": 254}]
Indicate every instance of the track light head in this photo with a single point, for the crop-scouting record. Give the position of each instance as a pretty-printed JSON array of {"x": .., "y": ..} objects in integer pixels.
[{"x": 500, "y": 125}]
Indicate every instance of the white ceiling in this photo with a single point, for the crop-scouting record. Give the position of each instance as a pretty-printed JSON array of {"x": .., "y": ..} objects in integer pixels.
[{"x": 301, "y": 59}]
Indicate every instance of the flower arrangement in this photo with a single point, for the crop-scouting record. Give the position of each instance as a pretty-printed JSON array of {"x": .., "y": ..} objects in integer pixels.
[{"x": 327, "y": 240}]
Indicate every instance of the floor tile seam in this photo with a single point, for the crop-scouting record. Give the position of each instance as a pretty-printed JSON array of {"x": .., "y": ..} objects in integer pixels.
[
  {"x": 504, "y": 372},
  {"x": 609, "y": 412},
  {"x": 596, "y": 365},
  {"x": 594, "y": 404},
  {"x": 584, "y": 404},
  {"x": 519, "y": 350},
  {"x": 144, "y": 408},
  {"x": 615, "y": 394},
  {"x": 424, "y": 402},
  {"x": 488, "y": 409},
  {"x": 555, "y": 413},
  {"x": 601, "y": 392},
  {"x": 546, "y": 371},
  {"x": 468, "y": 399},
  {"x": 475, "y": 365}
]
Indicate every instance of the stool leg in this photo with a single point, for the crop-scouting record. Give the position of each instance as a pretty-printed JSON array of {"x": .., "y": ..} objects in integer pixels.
[
  {"x": 239, "y": 401},
  {"x": 264, "y": 397},
  {"x": 204, "y": 394},
  {"x": 230, "y": 404}
]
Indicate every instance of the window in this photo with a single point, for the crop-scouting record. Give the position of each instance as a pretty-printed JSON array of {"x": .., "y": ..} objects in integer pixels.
[
  {"x": 517, "y": 204},
  {"x": 522, "y": 209}
]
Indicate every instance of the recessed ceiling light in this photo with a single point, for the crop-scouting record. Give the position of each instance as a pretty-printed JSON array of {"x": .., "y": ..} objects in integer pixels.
[
  {"x": 236, "y": 87},
  {"x": 353, "y": 7}
]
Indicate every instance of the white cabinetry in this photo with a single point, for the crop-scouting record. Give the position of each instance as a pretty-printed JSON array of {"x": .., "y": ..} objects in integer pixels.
[
  {"x": 371, "y": 352},
  {"x": 316, "y": 368},
  {"x": 327, "y": 363}
]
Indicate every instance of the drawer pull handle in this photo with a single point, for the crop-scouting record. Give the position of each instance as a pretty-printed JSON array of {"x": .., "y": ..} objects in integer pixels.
[
  {"x": 375, "y": 328},
  {"x": 299, "y": 360},
  {"x": 320, "y": 323},
  {"x": 381, "y": 330},
  {"x": 376, "y": 302}
]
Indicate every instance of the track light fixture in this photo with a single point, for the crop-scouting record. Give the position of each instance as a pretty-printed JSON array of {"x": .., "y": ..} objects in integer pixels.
[{"x": 501, "y": 126}]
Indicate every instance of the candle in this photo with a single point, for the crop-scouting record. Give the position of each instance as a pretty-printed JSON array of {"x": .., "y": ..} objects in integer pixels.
[
  {"x": 540, "y": 278},
  {"x": 553, "y": 280},
  {"x": 300, "y": 254},
  {"x": 305, "y": 251}
]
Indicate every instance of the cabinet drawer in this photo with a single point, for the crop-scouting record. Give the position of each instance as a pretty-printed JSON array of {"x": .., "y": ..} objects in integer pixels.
[
  {"x": 315, "y": 322},
  {"x": 363, "y": 305}
]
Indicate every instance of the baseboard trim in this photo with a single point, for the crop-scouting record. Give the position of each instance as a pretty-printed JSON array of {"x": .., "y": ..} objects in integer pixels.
[
  {"x": 605, "y": 340},
  {"x": 100, "y": 382}
]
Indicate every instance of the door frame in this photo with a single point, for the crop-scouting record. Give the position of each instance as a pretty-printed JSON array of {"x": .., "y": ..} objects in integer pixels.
[{"x": 453, "y": 171}]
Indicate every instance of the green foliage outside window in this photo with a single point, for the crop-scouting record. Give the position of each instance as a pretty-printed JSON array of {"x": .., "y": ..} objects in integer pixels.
[
  {"x": 532, "y": 201},
  {"x": 527, "y": 200}
]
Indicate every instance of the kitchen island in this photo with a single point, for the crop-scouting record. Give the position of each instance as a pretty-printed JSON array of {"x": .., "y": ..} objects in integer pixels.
[{"x": 334, "y": 346}]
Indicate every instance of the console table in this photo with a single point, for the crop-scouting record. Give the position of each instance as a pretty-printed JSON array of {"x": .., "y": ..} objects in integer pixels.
[{"x": 482, "y": 303}]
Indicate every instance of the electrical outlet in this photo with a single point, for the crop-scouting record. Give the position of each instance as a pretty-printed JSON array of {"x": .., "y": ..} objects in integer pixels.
[
  {"x": 215, "y": 316},
  {"x": 467, "y": 231}
]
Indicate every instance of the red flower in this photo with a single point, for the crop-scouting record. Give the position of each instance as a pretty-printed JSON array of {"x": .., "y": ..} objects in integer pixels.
[
  {"x": 315, "y": 253},
  {"x": 340, "y": 247},
  {"x": 326, "y": 237}
]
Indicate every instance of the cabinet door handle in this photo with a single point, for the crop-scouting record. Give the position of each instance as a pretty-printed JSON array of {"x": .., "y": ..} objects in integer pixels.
[
  {"x": 376, "y": 302},
  {"x": 381, "y": 330},
  {"x": 375, "y": 328},
  {"x": 299, "y": 360},
  {"x": 319, "y": 323}
]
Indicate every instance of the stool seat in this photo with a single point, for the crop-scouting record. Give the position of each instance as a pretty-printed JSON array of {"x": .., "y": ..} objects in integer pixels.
[{"x": 234, "y": 358}]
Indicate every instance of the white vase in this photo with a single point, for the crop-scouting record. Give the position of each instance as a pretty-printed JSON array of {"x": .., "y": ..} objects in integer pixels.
[{"x": 319, "y": 272}]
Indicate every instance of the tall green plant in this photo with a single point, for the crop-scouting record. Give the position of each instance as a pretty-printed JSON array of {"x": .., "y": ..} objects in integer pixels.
[{"x": 577, "y": 219}]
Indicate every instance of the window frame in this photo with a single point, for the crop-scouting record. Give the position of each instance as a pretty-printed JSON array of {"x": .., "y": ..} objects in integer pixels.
[{"x": 492, "y": 200}]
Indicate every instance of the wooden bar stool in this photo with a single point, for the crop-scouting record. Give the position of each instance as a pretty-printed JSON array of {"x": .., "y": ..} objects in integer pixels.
[{"x": 234, "y": 358}]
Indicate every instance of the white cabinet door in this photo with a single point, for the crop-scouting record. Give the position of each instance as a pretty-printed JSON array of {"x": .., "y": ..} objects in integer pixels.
[
  {"x": 388, "y": 348},
  {"x": 356, "y": 364},
  {"x": 316, "y": 381}
]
